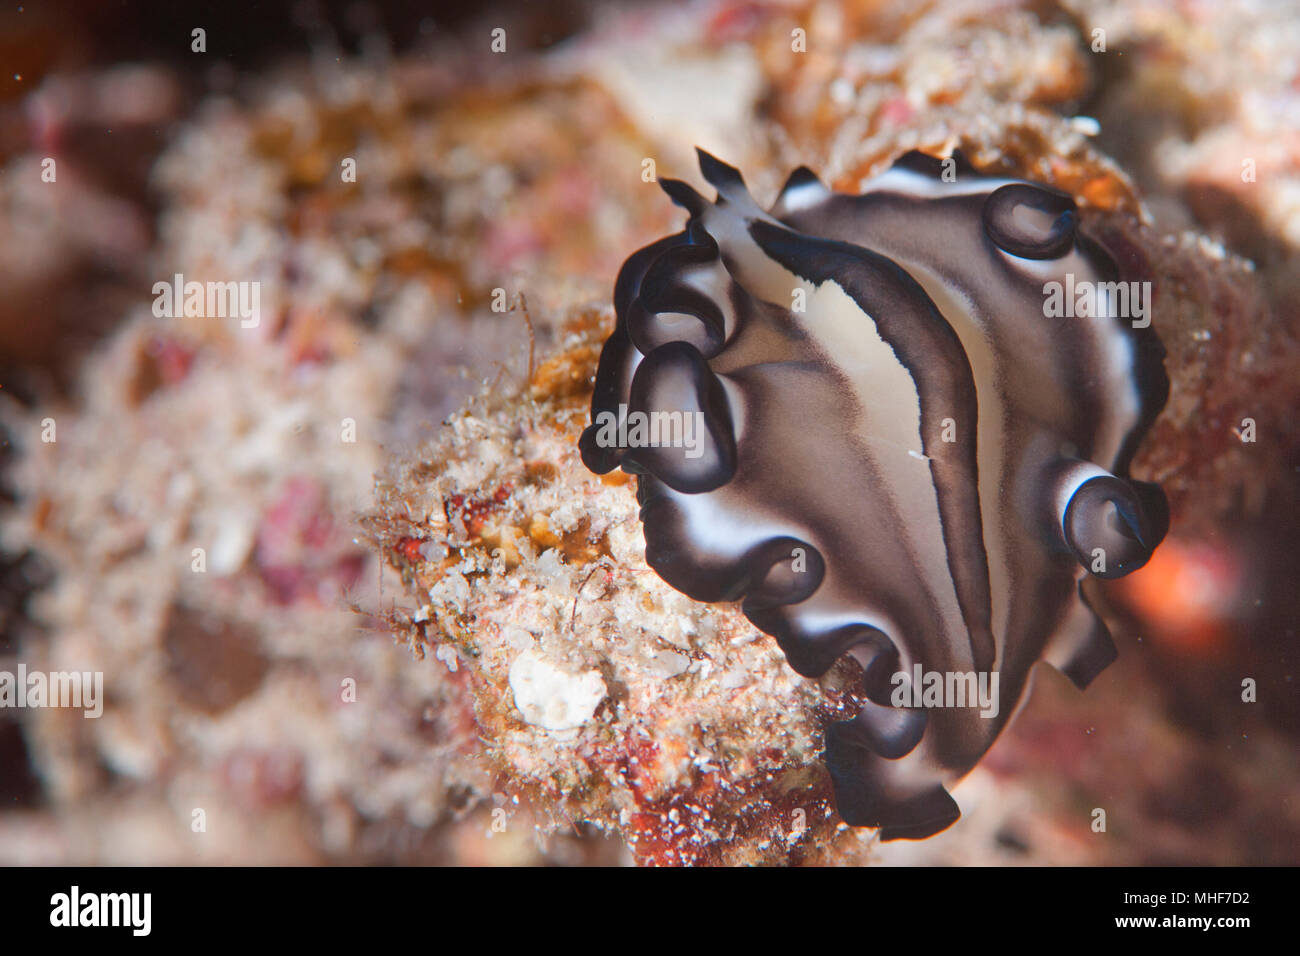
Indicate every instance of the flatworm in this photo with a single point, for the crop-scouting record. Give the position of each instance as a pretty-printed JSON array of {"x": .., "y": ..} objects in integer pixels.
[{"x": 857, "y": 415}]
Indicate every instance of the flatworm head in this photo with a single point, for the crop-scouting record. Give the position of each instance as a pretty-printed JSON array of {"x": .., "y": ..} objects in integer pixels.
[{"x": 897, "y": 426}]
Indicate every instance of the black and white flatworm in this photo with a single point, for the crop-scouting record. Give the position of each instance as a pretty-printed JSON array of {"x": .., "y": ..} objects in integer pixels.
[{"x": 903, "y": 457}]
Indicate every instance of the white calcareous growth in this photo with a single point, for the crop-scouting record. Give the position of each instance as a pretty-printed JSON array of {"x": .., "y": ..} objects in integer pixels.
[{"x": 552, "y": 698}]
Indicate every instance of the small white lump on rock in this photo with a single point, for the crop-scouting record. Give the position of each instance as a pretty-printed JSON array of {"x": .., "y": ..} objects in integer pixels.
[{"x": 552, "y": 698}]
